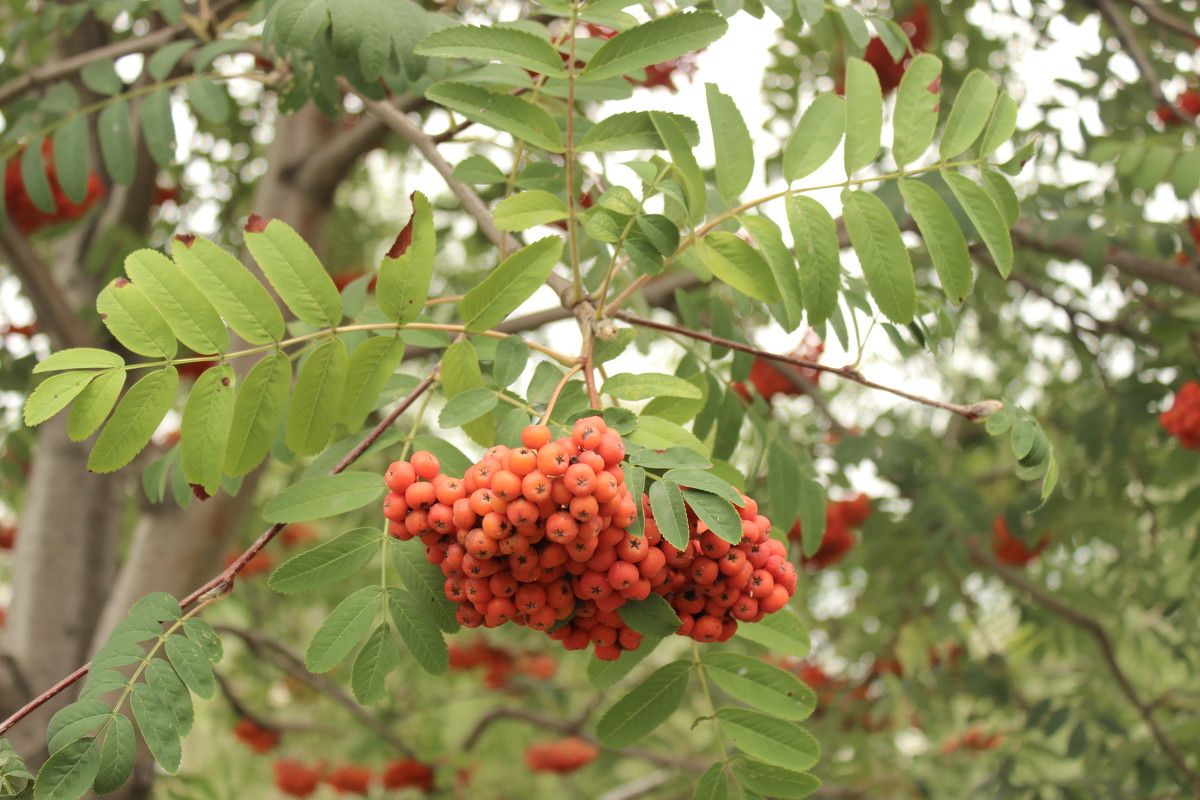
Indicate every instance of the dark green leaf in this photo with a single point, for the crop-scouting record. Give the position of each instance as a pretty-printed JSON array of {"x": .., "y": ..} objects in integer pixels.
[
  {"x": 646, "y": 707},
  {"x": 425, "y": 582},
  {"x": 812, "y": 514},
  {"x": 69, "y": 772},
  {"x": 34, "y": 179},
  {"x": 634, "y": 130},
  {"x": 715, "y": 512},
  {"x": 164, "y": 59},
  {"x": 606, "y": 674},
  {"x": 71, "y": 158},
  {"x": 881, "y": 251},
  {"x": 157, "y": 606},
  {"x": 666, "y": 503},
  {"x": 116, "y": 757},
  {"x": 680, "y": 150},
  {"x": 770, "y": 739},
  {"x": 192, "y": 665},
  {"x": 419, "y": 631},
  {"x": 203, "y": 635},
  {"x": 313, "y": 409},
  {"x": 512, "y": 354},
  {"x": 466, "y": 407},
  {"x": 164, "y": 680},
  {"x": 707, "y": 482},
  {"x": 323, "y": 497},
  {"x": 782, "y": 477},
  {"x": 731, "y": 138},
  {"x": 768, "y": 779},
  {"x": 378, "y": 657},
  {"x": 158, "y": 127},
  {"x": 208, "y": 100},
  {"x": 327, "y": 563},
  {"x": 510, "y": 284},
  {"x": 158, "y": 728},
  {"x": 75, "y": 721},
  {"x": 652, "y": 617},
  {"x": 343, "y": 629},
  {"x": 506, "y": 45},
  {"x": 101, "y": 77}
]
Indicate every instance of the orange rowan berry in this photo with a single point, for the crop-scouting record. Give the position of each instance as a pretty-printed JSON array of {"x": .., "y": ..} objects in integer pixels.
[
  {"x": 536, "y": 436},
  {"x": 521, "y": 461},
  {"x": 506, "y": 485},
  {"x": 399, "y": 476},
  {"x": 580, "y": 479},
  {"x": 420, "y": 495},
  {"x": 425, "y": 464},
  {"x": 587, "y": 432},
  {"x": 553, "y": 460}
]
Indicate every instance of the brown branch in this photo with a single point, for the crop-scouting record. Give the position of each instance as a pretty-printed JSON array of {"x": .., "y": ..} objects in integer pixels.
[
  {"x": 972, "y": 412},
  {"x": 223, "y": 583},
  {"x": 1109, "y": 10},
  {"x": 49, "y": 301},
  {"x": 1153, "y": 10},
  {"x": 292, "y": 664},
  {"x": 64, "y": 68},
  {"x": 1093, "y": 626},
  {"x": 1073, "y": 248}
]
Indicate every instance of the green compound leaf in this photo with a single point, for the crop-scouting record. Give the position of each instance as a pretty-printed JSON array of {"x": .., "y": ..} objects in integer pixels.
[
  {"x": 812, "y": 514},
  {"x": 135, "y": 420},
  {"x": 773, "y": 781},
  {"x": 987, "y": 218},
  {"x": 343, "y": 629},
  {"x": 510, "y": 284},
  {"x": 257, "y": 412},
  {"x": 191, "y": 317},
  {"x": 917, "y": 103},
  {"x": 943, "y": 238},
  {"x": 134, "y": 320},
  {"x": 205, "y": 637},
  {"x": 761, "y": 685},
  {"x": 80, "y": 358},
  {"x": 816, "y": 137},
  {"x": 717, "y": 513},
  {"x": 528, "y": 209},
  {"x": 171, "y": 690},
  {"x": 371, "y": 365},
  {"x": 116, "y": 142},
  {"x": 864, "y": 114},
  {"x": 406, "y": 270},
  {"x": 93, "y": 405},
  {"x": 158, "y": 127},
  {"x": 501, "y": 111},
  {"x": 969, "y": 114},
  {"x": 295, "y": 272},
  {"x": 736, "y": 263},
  {"x": 420, "y": 633},
  {"x": 782, "y": 632},
  {"x": 425, "y": 582},
  {"x": 54, "y": 393},
  {"x": 507, "y": 45},
  {"x": 654, "y": 42},
  {"x": 378, "y": 657},
  {"x": 652, "y": 617},
  {"x": 731, "y": 138},
  {"x": 666, "y": 503},
  {"x": 713, "y": 784},
  {"x": 818, "y": 256},
  {"x": 705, "y": 481},
  {"x": 323, "y": 497},
  {"x": 881, "y": 251},
  {"x": 76, "y": 721},
  {"x": 327, "y": 563},
  {"x": 1001, "y": 126},
  {"x": 157, "y": 725},
  {"x": 460, "y": 372},
  {"x": 783, "y": 267},
  {"x": 634, "y": 130},
  {"x": 69, "y": 772},
  {"x": 71, "y": 158},
  {"x": 244, "y": 303},
  {"x": 313, "y": 409},
  {"x": 627, "y": 386},
  {"x": 770, "y": 739},
  {"x": 204, "y": 431},
  {"x": 684, "y": 160},
  {"x": 467, "y": 407},
  {"x": 116, "y": 756},
  {"x": 512, "y": 354},
  {"x": 192, "y": 665},
  {"x": 645, "y": 707}
]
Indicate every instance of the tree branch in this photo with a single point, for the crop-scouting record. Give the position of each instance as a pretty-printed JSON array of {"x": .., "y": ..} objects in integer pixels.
[
  {"x": 1082, "y": 619},
  {"x": 292, "y": 664},
  {"x": 1153, "y": 10},
  {"x": 1108, "y": 9},
  {"x": 54, "y": 313},
  {"x": 973, "y": 412}
]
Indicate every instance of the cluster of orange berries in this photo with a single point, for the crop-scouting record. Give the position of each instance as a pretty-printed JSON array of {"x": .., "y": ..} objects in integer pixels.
[
  {"x": 258, "y": 738},
  {"x": 841, "y": 518},
  {"x": 539, "y": 536},
  {"x": 296, "y": 779},
  {"x": 1182, "y": 420},
  {"x": 770, "y": 378},
  {"x": 561, "y": 755},
  {"x": 27, "y": 217},
  {"x": 1012, "y": 551},
  {"x": 973, "y": 739},
  {"x": 500, "y": 664}
]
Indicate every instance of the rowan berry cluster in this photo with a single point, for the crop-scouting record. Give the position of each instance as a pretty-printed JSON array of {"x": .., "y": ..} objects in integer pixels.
[
  {"x": 561, "y": 755},
  {"x": 1182, "y": 420},
  {"x": 841, "y": 518},
  {"x": 1012, "y": 551},
  {"x": 296, "y": 779},
  {"x": 26, "y": 216},
  {"x": 501, "y": 664},
  {"x": 258, "y": 738},
  {"x": 539, "y": 536}
]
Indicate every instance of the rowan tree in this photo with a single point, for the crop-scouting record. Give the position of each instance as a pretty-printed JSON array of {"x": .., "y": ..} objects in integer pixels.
[{"x": 849, "y": 455}]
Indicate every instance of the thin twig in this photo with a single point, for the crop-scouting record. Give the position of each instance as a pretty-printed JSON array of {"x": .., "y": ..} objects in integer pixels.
[
  {"x": 1153, "y": 10},
  {"x": 972, "y": 412},
  {"x": 292, "y": 664},
  {"x": 1082, "y": 619},
  {"x": 50, "y": 303}
]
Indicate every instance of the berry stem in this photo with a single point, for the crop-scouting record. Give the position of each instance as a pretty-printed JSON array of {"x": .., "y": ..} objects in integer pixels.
[{"x": 562, "y": 384}]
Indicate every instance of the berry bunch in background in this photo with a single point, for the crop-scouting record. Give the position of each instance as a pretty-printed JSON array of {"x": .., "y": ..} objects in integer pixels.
[
  {"x": 539, "y": 536},
  {"x": 561, "y": 755},
  {"x": 1182, "y": 420},
  {"x": 1012, "y": 551},
  {"x": 841, "y": 518},
  {"x": 21, "y": 209},
  {"x": 770, "y": 378}
]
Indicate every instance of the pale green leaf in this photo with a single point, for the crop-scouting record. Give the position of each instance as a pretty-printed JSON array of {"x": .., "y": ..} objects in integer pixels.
[
  {"x": 969, "y": 114},
  {"x": 733, "y": 261},
  {"x": 158, "y": 127},
  {"x": 761, "y": 685},
  {"x": 692, "y": 478},
  {"x": 917, "y": 102},
  {"x": 528, "y": 209},
  {"x": 208, "y": 100},
  {"x": 138, "y": 415},
  {"x": 731, "y": 139},
  {"x": 54, "y": 393},
  {"x": 768, "y": 738},
  {"x": 816, "y": 137},
  {"x": 812, "y": 514},
  {"x": 371, "y": 365},
  {"x": 404, "y": 278},
  {"x": 659, "y": 434},
  {"x": 501, "y": 111},
  {"x": 80, "y": 358},
  {"x": 986, "y": 217},
  {"x": 312, "y": 412},
  {"x": 467, "y": 407},
  {"x": 93, "y": 405},
  {"x": 782, "y": 476},
  {"x": 712, "y": 784},
  {"x": 34, "y": 179},
  {"x": 204, "y": 431},
  {"x": 864, "y": 114},
  {"x": 510, "y": 284},
  {"x": 257, "y": 411},
  {"x": 295, "y": 273},
  {"x": 116, "y": 142},
  {"x": 781, "y": 632},
  {"x": 323, "y": 497},
  {"x": 654, "y": 42},
  {"x": 506, "y": 45},
  {"x": 683, "y": 157},
  {"x": 783, "y": 268},
  {"x": 818, "y": 255},
  {"x": 634, "y": 130},
  {"x": 134, "y": 320},
  {"x": 1001, "y": 126},
  {"x": 943, "y": 238},
  {"x": 881, "y": 251},
  {"x": 244, "y": 302},
  {"x": 643, "y": 386},
  {"x": 460, "y": 372}
]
